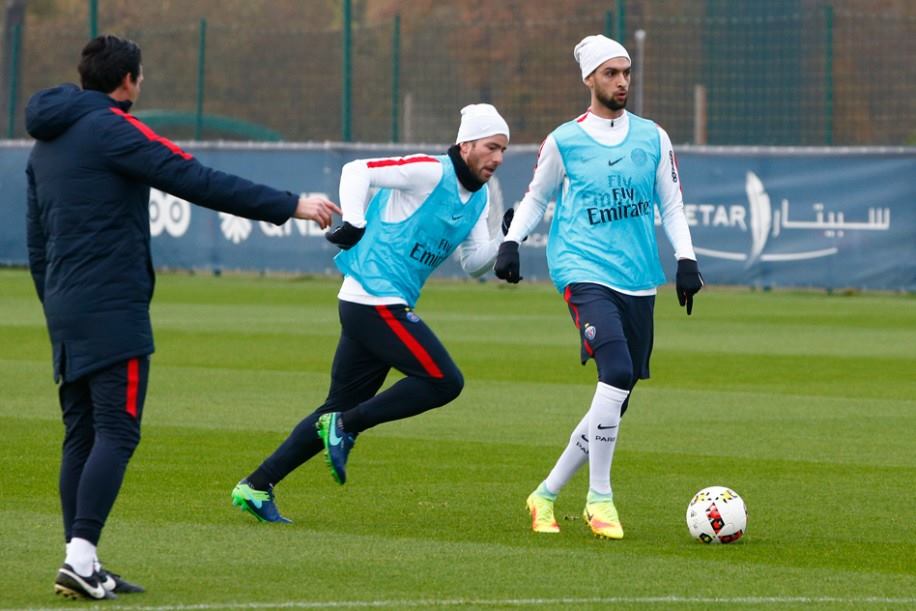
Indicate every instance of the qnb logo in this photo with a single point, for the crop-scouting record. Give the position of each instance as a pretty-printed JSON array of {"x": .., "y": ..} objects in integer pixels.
[
  {"x": 237, "y": 229},
  {"x": 234, "y": 228},
  {"x": 765, "y": 225},
  {"x": 168, "y": 213}
]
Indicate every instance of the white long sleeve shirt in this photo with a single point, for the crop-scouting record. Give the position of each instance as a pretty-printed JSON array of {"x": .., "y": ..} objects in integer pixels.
[
  {"x": 411, "y": 180},
  {"x": 550, "y": 177}
]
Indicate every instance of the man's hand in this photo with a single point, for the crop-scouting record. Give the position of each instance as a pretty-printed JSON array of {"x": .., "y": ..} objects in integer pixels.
[
  {"x": 688, "y": 282},
  {"x": 345, "y": 236},
  {"x": 507, "y": 265},
  {"x": 316, "y": 208}
]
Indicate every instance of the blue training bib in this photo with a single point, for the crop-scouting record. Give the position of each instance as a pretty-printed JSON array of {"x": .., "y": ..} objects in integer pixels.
[
  {"x": 395, "y": 259},
  {"x": 603, "y": 230}
]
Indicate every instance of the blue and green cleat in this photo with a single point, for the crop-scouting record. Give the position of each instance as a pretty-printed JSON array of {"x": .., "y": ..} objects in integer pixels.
[
  {"x": 259, "y": 503},
  {"x": 337, "y": 445}
]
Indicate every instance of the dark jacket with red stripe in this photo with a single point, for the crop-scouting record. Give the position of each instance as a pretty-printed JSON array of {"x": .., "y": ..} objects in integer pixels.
[{"x": 89, "y": 177}]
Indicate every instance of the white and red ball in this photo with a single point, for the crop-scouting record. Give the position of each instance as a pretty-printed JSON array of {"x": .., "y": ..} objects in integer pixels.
[{"x": 717, "y": 515}]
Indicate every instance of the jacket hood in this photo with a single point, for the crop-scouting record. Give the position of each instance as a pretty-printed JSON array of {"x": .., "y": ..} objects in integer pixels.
[{"x": 51, "y": 112}]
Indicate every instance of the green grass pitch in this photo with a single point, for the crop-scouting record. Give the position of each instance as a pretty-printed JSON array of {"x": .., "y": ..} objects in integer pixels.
[{"x": 802, "y": 402}]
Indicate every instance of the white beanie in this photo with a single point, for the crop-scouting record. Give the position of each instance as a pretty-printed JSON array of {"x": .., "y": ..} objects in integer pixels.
[
  {"x": 592, "y": 51},
  {"x": 479, "y": 121}
]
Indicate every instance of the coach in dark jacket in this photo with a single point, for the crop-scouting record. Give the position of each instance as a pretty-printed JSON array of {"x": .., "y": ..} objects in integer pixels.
[{"x": 89, "y": 178}]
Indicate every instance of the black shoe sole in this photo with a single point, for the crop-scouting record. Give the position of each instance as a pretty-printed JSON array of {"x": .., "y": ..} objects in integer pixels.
[{"x": 68, "y": 593}]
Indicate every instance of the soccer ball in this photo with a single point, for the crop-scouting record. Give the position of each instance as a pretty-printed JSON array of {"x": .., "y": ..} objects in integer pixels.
[{"x": 716, "y": 515}]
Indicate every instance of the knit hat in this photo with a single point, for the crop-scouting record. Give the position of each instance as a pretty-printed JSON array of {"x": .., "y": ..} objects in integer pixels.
[
  {"x": 479, "y": 121},
  {"x": 592, "y": 51}
]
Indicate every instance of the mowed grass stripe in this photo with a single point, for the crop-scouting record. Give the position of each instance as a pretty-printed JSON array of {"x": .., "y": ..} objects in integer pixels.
[
  {"x": 814, "y": 429},
  {"x": 474, "y": 491},
  {"x": 409, "y": 564},
  {"x": 840, "y": 376},
  {"x": 797, "y": 427}
]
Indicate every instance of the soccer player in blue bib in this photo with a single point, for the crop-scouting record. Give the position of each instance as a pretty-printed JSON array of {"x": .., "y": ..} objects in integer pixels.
[
  {"x": 607, "y": 170},
  {"x": 426, "y": 207}
]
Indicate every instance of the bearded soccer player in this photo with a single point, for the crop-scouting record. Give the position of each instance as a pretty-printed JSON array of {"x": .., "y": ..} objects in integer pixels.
[
  {"x": 607, "y": 169},
  {"x": 426, "y": 207}
]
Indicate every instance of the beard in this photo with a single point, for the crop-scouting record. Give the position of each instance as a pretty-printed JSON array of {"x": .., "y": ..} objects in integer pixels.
[
  {"x": 479, "y": 175},
  {"x": 610, "y": 102},
  {"x": 476, "y": 166}
]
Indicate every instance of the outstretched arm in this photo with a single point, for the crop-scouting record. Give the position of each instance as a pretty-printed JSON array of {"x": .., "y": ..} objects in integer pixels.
[{"x": 136, "y": 151}]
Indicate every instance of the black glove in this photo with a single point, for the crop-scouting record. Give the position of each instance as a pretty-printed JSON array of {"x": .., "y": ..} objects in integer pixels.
[
  {"x": 688, "y": 282},
  {"x": 345, "y": 236},
  {"x": 507, "y": 262}
]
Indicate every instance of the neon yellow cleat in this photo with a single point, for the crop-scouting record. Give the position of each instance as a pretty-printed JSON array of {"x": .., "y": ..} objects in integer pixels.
[
  {"x": 602, "y": 518},
  {"x": 541, "y": 510}
]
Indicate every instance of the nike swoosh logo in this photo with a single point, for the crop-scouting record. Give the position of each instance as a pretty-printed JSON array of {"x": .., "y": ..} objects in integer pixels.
[
  {"x": 615, "y": 162},
  {"x": 334, "y": 438},
  {"x": 602, "y": 428},
  {"x": 97, "y": 591},
  {"x": 458, "y": 217}
]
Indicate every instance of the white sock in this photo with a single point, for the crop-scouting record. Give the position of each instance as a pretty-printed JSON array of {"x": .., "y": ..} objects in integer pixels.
[
  {"x": 603, "y": 425},
  {"x": 80, "y": 554},
  {"x": 572, "y": 458}
]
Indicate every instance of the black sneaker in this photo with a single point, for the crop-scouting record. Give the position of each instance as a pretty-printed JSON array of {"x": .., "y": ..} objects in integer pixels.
[
  {"x": 115, "y": 583},
  {"x": 71, "y": 584}
]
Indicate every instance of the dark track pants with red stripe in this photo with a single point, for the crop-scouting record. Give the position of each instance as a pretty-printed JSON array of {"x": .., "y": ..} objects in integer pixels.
[
  {"x": 101, "y": 413},
  {"x": 373, "y": 340}
]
